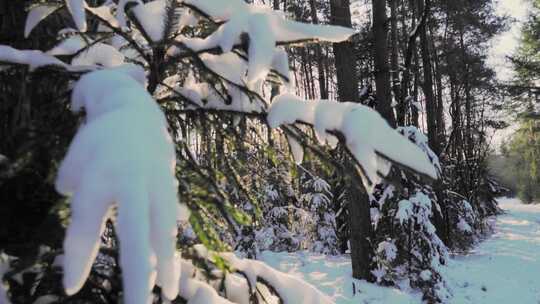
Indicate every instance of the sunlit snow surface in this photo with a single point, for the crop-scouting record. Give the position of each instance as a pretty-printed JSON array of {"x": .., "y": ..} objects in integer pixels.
[
  {"x": 333, "y": 276},
  {"x": 506, "y": 267},
  {"x": 502, "y": 269}
]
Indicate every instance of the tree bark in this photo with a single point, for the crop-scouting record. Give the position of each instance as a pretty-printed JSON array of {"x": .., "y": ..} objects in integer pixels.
[
  {"x": 345, "y": 60},
  {"x": 318, "y": 55},
  {"x": 394, "y": 58},
  {"x": 441, "y": 125},
  {"x": 431, "y": 103},
  {"x": 358, "y": 200},
  {"x": 380, "y": 55}
]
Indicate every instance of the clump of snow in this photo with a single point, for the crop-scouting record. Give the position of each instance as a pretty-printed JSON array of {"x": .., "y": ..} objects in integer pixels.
[
  {"x": 104, "y": 12},
  {"x": 196, "y": 291},
  {"x": 405, "y": 210},
  {"x": 296, "y": 149},
  {"x": 418, "y": 208},
  {"x": 462, "y": 225},
  {"x": 99, "y": 54},
  {"x": 204, "y": 95},
  {"x": 36, "y": 15},
  {"x": 77, "y": 10},
  {"x": 151, "y": 16},
  {"x": 122, "y": 155},
  {"x": 229, "y": 66},
  {"x": 363, "y": 130},
  {"x": 425, "y": 275},
  {"x": 34, "y": 59},
  {"x": 68, "y": 46},
  {"x": 421, "y": 140},
  {"x": 90, "y": 53},
  {"x": 289, "y": 109},
  {"x": 264, "y": 27},
  {"x": 289, "y": 288},
  {"x": 133, "y": 70},
  {"x": 389, "y": 249},
  {"x": 121, "y": 11}
]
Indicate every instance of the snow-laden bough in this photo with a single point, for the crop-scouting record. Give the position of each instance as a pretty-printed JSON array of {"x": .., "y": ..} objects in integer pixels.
[
  {"x": 123, "y": 155},
  {"x": 369, "y": 138}
]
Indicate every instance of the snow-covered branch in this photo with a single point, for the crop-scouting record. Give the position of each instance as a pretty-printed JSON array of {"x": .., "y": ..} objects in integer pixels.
[
  {"x": 366, "y": 134},
  {"x": 122, "y": 155}
]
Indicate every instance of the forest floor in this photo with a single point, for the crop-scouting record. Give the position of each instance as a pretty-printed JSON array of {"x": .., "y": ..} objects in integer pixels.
[{"x": 502, "y": 269}]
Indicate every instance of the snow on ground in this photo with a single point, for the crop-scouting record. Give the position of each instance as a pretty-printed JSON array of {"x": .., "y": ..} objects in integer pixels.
[
  {"x": 502, "y": 269},
  {"x": 333, "y": 276}
]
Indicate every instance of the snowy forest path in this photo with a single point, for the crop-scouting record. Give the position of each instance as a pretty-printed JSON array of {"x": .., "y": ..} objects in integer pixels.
[{"x": 504, "y": 268}]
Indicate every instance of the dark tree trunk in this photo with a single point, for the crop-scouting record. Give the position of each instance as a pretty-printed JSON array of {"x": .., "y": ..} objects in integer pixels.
[
  {"x": 359, "y": 213},
  {"x": 345, "y": 60},
  {"x": 382, "y": 72},
  {"x": 360, "y": 226},
  {"x": 318, "y": 55},
  {"x": 431, "y": 103},
  {"x": 394, "y": 58},
  {"x": 441, "y": 126}
]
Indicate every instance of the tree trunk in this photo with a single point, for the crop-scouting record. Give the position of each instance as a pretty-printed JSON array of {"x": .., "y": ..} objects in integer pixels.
[
  {"x": 359, "y": 225},
  {"x": 359, "y": 212},
  {"x": 382, "y": 72},
  {"x": 441, "y": 126},
  {"x": 347, "y": 79},
  {"x": 394, "y": 58},
  {"x": 431, "y": 106},
  {"x": 318, "y": 55}
]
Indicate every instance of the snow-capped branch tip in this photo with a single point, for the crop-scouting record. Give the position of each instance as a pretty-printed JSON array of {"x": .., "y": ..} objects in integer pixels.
[
  {"x": 371, "y": 141},
  {"x": 38, "y": 14},
  {"x": 33, "y": 58},
  {"x": 77, "y": 11},
  {"x": 289, "y": 289}
]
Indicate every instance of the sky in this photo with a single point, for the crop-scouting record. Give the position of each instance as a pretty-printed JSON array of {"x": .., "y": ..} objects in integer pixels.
[{"x": 504, "y": 45}]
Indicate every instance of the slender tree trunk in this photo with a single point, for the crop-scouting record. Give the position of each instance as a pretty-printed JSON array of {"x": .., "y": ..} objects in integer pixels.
[
  {"x": 431, "y": 106},
  {"x": 382, "y": 72},
  {"x": 359, "y": 211},
  {"x": 318, "y": 54},
  {"x": 468, "y": 98},
  {"x": 414, "y": 110},
  {"x": 441, "y": 126},
  {"x": 394, "y": 58}
]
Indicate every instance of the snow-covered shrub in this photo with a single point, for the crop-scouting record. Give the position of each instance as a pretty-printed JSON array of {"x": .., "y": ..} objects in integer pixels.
[
  {"x": 279, "y": 206},
  {"x": 467, "y": 213},
  {"x": 416, "y": 226},
  {"x": 407, "y": 247},
  {"x": 408, "y": 250},
  {"x": 318, "y": 198}
]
